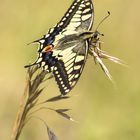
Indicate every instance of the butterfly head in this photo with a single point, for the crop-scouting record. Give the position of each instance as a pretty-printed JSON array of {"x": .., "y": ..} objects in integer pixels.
[{"x": 96, "y": 35}]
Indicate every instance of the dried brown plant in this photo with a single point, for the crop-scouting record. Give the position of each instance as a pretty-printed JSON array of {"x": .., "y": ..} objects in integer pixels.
[{"x": 29, "y": 100}]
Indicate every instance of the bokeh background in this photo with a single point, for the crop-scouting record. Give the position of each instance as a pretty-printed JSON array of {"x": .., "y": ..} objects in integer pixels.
[{"x": 103, "y": 111}]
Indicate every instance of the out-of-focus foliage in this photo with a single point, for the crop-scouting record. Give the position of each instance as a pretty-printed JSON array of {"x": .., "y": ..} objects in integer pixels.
[{"x": 104, "y": 111}]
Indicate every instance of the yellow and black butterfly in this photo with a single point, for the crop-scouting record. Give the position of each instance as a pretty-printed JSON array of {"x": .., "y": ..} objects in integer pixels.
[{"x": 61, "y": 51}]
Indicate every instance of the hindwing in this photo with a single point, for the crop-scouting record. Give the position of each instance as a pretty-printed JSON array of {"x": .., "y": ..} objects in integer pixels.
[{"x": 70, "y": 64}]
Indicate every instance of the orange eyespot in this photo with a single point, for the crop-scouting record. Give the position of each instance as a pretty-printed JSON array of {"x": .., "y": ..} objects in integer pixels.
[{"x": 48, "y": 48}]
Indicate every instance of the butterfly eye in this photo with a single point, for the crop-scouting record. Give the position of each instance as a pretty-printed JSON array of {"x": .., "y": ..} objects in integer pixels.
[{"x": 96, "y": 36}]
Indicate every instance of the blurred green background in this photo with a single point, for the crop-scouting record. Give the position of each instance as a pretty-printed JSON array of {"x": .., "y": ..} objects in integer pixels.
[{"x": 103, "y": 111}]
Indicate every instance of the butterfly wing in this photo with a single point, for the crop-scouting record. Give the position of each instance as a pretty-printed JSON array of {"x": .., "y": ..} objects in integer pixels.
[
  {"x": 79, "y": 17},
  {"x": 70, "y": 64}
]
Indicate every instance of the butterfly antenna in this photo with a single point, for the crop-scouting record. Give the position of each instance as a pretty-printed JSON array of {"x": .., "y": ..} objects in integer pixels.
[{"x": 103, "y": 20}]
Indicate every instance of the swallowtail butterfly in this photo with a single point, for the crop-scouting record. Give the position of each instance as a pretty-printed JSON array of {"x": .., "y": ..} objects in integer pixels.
[{"x": 63, "y": 50}]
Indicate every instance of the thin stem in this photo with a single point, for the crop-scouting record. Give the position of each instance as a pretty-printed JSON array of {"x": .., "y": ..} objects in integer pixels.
[
  {"x": 29, "y": 99},
  {"x": 21, "y": 116}
]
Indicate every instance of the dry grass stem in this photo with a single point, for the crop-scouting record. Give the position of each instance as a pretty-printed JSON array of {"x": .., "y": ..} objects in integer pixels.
[{"x": 29, "y": 99}]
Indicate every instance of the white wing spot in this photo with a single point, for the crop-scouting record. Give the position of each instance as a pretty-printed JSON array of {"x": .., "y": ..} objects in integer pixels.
[
  {"x": 41, "y": 46},
  {"x": 70, "y": 10},
  {"x": 70, "y": 56},
  {"x": 67, "y": 90},
  {"x": 51, "y": 30},
  {"x": 77, "y": 67},
  {"x": 73, "y": 7},
  {"x": 79, "y": 12},
  {"x": 75, "y": 19},
  {"x": 39, "y": 60},
  {"x": 80, "y": 8},
  {"x": 88, "y": 3},
  {"x": 69, "y": 62},
  {"x": 86, "y": 10},
  {"x": 61, "y": 24},
  {"x": 56, "y": 72},
  {"x": 82, "y": 5},
  {"x": 46, "y": 67},
  {"x": 85, "y": 17},
  {"x": 68, "y": 72},
  {"x": 76, "y": 16},
  {"x": 43, "y": 64},
  {"x": 73, "y": 84},
  {"x": 64, "y": 19},
  {"x": 77, "y": 75},
  {"x": 60, "y": 78},
  {"x": 40, "y": 54},
  {"x": 47, "y": 35},
  {"x": 58, "y": 75},
  {"x": 70, "y": 66},
  {"x": 67, "y": 14},
  {"x": 79, "y": 58},
  {"x": 42, "y": 41},
  {"x": 71, "y": 77},
  {"x": 63, "y": 85}
]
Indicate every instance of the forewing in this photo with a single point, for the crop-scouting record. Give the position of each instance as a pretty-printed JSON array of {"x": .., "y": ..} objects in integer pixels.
[{"x": 79, "y": 17}]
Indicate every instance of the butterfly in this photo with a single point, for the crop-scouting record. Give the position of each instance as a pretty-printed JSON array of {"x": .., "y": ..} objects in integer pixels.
[
  {"x": 61, "y": 51},
  {"x": 64, "y": 49}
]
